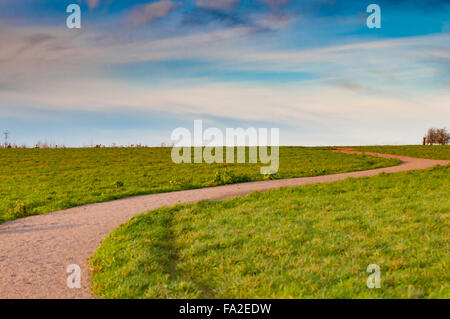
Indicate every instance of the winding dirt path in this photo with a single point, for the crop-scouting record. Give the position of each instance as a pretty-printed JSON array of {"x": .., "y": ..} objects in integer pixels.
[{"x": 35, "y": 251}]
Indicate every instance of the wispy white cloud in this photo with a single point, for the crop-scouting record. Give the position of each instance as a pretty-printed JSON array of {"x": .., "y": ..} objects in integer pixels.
[
  {"x": 221, "y": 5},
  {"x": 320, "y": 114},
  {"x": 143, "y": 14},
  {"x": 93, "y": 3},
  {"x": 42, "y": 53},
  {"x": 309, "y": 103},
  {"x": 277, "y": 3}
]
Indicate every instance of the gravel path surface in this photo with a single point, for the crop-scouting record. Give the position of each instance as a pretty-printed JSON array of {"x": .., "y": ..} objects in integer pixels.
[{"x": 35, "y": 251}]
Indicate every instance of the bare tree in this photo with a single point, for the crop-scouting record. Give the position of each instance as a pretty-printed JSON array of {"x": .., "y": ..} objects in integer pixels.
[
  {"x": 431, "y": 136},
  {"x": 443, "y": 137},
  {"x": 437, "y": 136}
]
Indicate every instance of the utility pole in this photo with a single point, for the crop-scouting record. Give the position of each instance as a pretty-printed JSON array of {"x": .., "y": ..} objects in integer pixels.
[{"x": 6, "y": 134}]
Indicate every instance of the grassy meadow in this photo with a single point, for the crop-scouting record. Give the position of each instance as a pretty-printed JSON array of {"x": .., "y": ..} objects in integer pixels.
[
  {"x": 311, "y": 241},
  {"x": 36, "y": 181},
  {"x": 420, "y": 151}
]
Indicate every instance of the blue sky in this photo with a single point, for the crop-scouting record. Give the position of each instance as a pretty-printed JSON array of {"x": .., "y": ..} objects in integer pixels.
[{"x": 137, "y": 70}]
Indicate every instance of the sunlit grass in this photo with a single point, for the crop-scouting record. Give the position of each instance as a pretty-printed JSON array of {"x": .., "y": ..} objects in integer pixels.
[
  {"x": 420, "y": 151},
  {"x": 311, "y": 241},
  {"x": 36, "y": 181}
]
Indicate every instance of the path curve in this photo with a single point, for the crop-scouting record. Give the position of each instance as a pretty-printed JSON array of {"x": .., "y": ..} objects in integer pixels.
[{"x": 35, "y": 251}]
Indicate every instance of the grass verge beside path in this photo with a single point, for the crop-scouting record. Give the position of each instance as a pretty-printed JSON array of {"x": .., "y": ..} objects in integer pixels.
[
  {"x": 312, "y": 241},
  {"x": 37, "y": 181},
  {"x": 419, "y": 151}
]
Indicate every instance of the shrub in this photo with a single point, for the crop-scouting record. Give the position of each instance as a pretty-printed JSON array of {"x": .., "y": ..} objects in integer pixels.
[
  {"x": 19, "y": 210},
  {"x": 270, "y": 176},
  {"x": 223, "y": 177},
  {"x": 181, "y": 182},
  {"x": 118, "y": 184}
]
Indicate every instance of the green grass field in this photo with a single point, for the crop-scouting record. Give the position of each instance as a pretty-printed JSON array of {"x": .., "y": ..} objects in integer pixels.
[
  {"x": 36, "y": 181},
  {"x": 420, "y": 151},
  {"x": 312, "y": 241}
]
